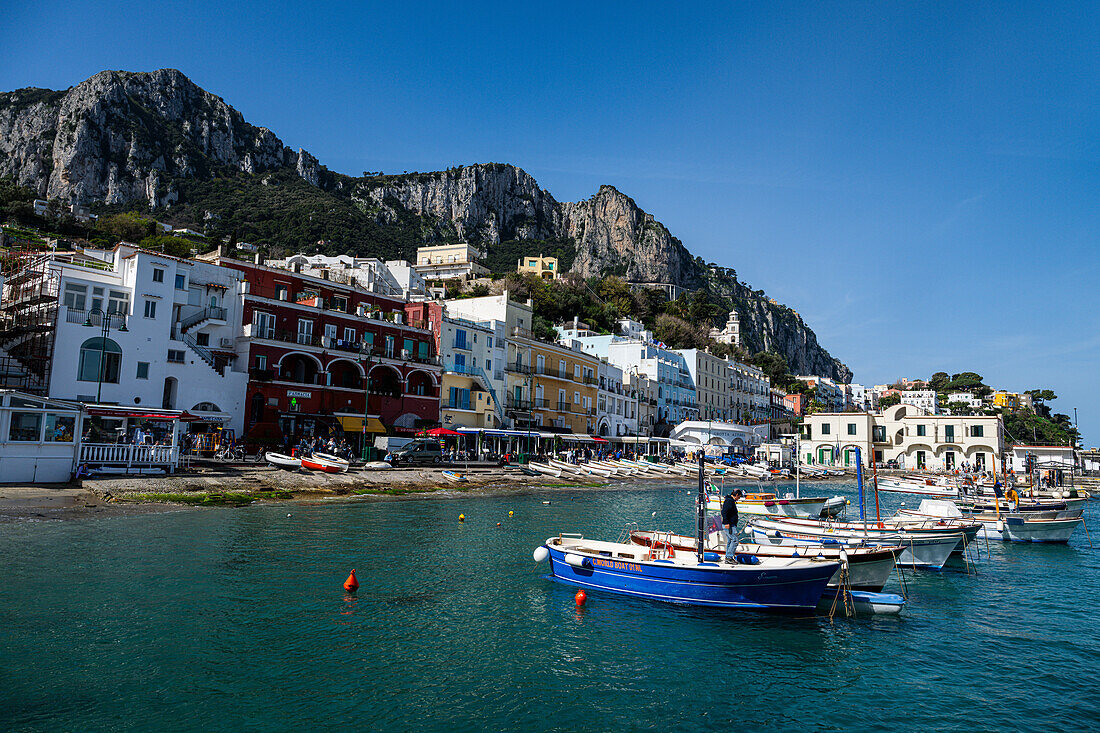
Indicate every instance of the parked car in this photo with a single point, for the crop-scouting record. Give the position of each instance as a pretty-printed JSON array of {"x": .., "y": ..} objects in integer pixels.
[{"x": 418, "y": 452}]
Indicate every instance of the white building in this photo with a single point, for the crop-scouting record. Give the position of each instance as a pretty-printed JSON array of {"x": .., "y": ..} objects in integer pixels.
[
  {"x": 922, "y": 399},
  {"x": 915, "y": 439},
  {"x": 862, "y": 398},
  {"x": 827, "y": 392},
  {"x": 39, "y": 438},
  {"x": 394, "y": 278},
  {"x": 712, "y": 385},
  {"x": 450, "y": 262},
  {"x": 730, "y": 333},
  {"x": 144, "y": 329},
  {"x": 749, "y": 393},
  {"x": 739, "y": 439},
  {"x": 1042, "y": 458},
  {"x": 616, "y": 410},
  {"x": 966, "y": 398}
]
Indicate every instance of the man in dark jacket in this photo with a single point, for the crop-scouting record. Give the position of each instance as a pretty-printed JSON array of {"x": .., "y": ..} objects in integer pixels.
[{"x": 729, "y": 521}]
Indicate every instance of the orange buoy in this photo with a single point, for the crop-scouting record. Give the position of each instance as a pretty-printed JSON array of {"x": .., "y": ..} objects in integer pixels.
[
  {"x": 580, "y": 598},
  {"x": 352, "y": 583}
]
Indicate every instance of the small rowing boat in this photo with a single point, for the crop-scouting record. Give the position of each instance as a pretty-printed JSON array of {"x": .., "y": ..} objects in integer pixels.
[
  {"x": 454, "y": 476},
  {"x": 325, "y": 463},
  {"x": 285, "y": 462}
]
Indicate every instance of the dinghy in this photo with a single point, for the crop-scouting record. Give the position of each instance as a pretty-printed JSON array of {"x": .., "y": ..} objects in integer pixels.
[
  {"x": 454, "y": 476},
  {"x": 546, "y": 469},
  {"x": 1035, "y": 526},
  {"x": 376, "y": 466},
  {"x": 285, "y": 462},
  {"x": 325, "y": 462}
]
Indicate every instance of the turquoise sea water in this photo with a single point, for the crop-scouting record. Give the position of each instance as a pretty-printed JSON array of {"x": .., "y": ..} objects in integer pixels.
[{"x": 235, "y": 619}]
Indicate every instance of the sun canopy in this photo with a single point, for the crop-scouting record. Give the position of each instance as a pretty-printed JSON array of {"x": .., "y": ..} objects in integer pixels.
[{"x": 439, "y": 431}]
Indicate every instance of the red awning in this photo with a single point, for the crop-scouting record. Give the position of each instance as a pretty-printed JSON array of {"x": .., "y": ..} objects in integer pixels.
[
  {"x": 598, "y": 439},
  {"x": 439, "y": 431}
]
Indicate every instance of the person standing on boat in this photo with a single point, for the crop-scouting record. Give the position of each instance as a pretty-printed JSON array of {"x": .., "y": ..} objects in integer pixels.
[{"x": 729, "y": 521}]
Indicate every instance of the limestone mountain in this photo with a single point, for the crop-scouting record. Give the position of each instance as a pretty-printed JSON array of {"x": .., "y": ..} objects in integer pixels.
[{"x": 156, "y": 140}]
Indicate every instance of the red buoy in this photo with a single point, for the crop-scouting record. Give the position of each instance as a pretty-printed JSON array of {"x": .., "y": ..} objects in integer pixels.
[
  {"x": 580, "y": 598},
  {"x": 352, "y": 583}
]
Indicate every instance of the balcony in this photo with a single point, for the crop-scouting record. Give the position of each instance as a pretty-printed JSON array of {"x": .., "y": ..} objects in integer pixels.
[
  {"x": 517, "y": 404},
  {"x": 521, "y": 332},
  {"x": 517, "y": 368},
  {"x": 449, "y": 405},
  {"x": 261, "y": 375},
  {"x": 94, "y": 318}
]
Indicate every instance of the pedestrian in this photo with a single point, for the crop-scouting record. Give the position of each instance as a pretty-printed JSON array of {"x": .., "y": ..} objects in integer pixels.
[{"x": 729, "y": 522}]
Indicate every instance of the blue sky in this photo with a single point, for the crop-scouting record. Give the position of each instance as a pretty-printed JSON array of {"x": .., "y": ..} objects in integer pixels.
[{"x": 918, "y": 180}]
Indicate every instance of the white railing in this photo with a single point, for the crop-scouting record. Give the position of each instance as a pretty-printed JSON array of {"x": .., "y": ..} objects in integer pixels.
[{"x": 131, "y": 456}]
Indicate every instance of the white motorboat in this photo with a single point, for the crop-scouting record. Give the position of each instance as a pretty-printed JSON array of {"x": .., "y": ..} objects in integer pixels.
[
  {"x": 770, "y": 505},
  {"x": 922, "y": 548},
  {"x": 285, "y": 462},
  {"x": 1034, "y": 526},
  {"x": 921, "y": 485},
  {"x": 834, "y": 506}
]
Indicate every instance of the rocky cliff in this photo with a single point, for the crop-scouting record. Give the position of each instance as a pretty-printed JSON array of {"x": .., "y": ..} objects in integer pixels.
[
  {"x": 156, "y": 139},
  {"x": 120, "y": 137}
]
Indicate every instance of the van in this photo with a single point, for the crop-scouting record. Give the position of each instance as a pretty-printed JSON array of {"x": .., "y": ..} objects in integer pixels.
[{"x": 418, "y": 452}]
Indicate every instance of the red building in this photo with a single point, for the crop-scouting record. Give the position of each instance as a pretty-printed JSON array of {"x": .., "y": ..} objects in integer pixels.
[
  {"x": 795, "y": 403},
  {"x": 313, "y": 344}
]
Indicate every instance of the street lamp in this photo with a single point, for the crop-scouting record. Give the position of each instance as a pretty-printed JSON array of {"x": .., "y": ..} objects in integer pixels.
[
  {"x": 105, "y": 323},
  {"x": 365, "y": 356},
  {"x": 797, "y": 462}
]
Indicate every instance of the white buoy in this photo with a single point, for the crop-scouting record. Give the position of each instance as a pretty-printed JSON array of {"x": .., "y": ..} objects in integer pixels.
[
  {"x": 288, "y": 515},
  {"x": 541, "y": 554}
]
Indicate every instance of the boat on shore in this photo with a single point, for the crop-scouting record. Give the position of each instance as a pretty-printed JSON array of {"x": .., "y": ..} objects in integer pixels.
[
  {"x": 545, "y": 469},
  {"x": 377, "y": 466},
  {"x": 325, "y": 463},
  {"x": 454, "y": 476},
  {"x": 282, "y": 461}
]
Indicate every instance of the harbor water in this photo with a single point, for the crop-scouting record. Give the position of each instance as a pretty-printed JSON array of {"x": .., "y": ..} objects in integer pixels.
[{"x": 235, "y": 619}]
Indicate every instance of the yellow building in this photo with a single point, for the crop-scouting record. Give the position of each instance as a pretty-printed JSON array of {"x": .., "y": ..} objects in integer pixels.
[
  {"x": 1008, "y": 400},
  {"x": 553, "y": 384},
  {"x": 466, "y": 401},
  {"x": 544, "y": 267}
]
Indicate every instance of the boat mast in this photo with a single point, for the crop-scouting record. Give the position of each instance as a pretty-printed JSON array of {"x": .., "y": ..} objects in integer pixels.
[
  {"x": 874, "y": 468},
  {"x": 859, "y": 481},
  {"x": 701, "y": 513}
]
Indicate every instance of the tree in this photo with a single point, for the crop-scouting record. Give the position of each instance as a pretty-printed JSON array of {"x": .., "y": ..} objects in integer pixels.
[
  {"x": 889, "y": 400},
  {"x": 128, "y": 226},
  {"x": 772, "y": 364},
  {"x": 964, "y": 380},
  {"x": 939, "y": 381}
]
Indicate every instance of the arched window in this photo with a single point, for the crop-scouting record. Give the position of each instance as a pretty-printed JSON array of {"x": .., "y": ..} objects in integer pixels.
[{"x": 91, "y": 370}]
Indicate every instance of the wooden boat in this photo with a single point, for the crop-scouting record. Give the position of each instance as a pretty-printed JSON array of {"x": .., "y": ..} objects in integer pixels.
[
  {"x": 595, "y": 470},
  {"x": 285, "y": 462},
  {"x": 567, "y": 467},
  {"x": 325, "y": 462},
  {"x": 923, "y": 548},
  {"x": 546, "y": 469},
  {"x": 453, "y": 476},
  {"x": 868, "y": 567},
  {"x": 921, "y": 485},
  {"x": 662, "y": 574}
]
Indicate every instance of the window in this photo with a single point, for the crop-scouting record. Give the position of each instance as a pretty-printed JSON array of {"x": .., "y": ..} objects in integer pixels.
[
  {"x": 825, "y": 427},
  {"x": 90, "y": 368},
  {"x": 490, "y": 342},
  {"x": 949, "y": 433},
  {"x": 264, "y": 324},
  {"x": 75, "y": 296},
  {"x": 25, "y": 426},
  {"x": 181, "y": 282},
  {"x": 202, "y": 339},
  {"x": 59, "y": 428},
  {"x": 150, "y": 309},
  {"x": 422, "y": 349},
  {"x": 851, "y": 428},
  {"x": 879, "y": 432},
  {"x": 460, "y": 398},
  {"x": 349, "y": 334},
  {"x": 407, "y": 347},
  {"x": 488, "y": 365},
  {"x": 330, "y": 333},
  {"x": 977, "y": 431},
  {"x": 261, "y": 361},
  {"x": 97, "y": 298},
  {"x": 176, "y": 356},
  {"x": 143, "y": 370},
  {"x": 576, "y": 398},
  {"x": 368, "y": 340},
  {"x": 340, "y": 304},
  {"x": 118, "y": 302},
  {"x": 460, "y": 363},
  {"x": 922, "y": 430},
  {"x": 540, "y": 364},
  {"x": 389, "y": 346},
  {"x": 158, "y": 275},
  {"x": 305, "y": 331}
]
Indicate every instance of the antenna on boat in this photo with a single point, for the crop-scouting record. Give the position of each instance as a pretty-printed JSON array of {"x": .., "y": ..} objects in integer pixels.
[{"x": 701, "y": 513}]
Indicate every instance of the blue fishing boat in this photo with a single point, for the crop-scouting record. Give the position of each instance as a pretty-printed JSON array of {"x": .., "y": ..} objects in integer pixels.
[{"x": 660, "y": 572}]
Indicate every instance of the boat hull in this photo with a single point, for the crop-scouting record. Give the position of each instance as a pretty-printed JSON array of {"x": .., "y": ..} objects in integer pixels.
[
  {"x": 930, "y": 552},
  {"x": 286, "y": 463},
  {"x": 1021, "y": 529},
  {"x": 711, "y": 584},
  {"x": 325, "y": 463},
  {"x": 862, "y": 602},
  {"x": 806, "y": 508}
]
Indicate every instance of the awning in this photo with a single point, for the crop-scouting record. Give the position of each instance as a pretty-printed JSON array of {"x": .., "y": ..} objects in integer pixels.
[
  {"x": 354, "y": 424},
  {"x": 598, "y": 439},
  {"x": 578, "y": 438},
  {"x": 129, "y": 412}
]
